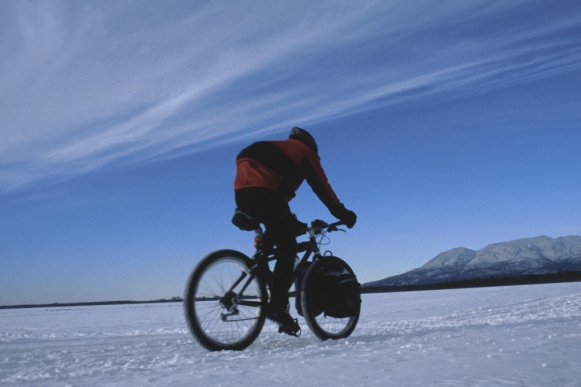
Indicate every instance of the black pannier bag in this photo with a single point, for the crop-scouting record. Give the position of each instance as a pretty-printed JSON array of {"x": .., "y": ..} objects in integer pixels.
[
  {"x": 342, "y": 292},
  {"x": 334, "y": 289}
]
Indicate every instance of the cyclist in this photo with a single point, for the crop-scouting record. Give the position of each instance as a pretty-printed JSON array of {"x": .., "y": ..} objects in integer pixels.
[{"x": 267, "y": 175}]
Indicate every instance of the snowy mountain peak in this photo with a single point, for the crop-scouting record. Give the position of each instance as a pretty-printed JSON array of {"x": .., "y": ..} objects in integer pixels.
[
  {"x": 457, "y": 257},
  {"x": 539, "y": 255}
]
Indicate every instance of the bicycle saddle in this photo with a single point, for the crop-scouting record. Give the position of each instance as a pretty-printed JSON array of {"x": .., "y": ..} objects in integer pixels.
[{"x": 244, "y": 221}]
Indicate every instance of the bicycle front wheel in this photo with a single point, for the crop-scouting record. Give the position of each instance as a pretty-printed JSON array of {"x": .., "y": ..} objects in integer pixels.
[
  {"x": 313, "y": 300},
  {"x": 224, "y": 302}
]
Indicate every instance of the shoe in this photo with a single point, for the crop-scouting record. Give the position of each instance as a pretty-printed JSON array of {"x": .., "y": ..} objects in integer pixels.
[{"x": 286, "y": 324}]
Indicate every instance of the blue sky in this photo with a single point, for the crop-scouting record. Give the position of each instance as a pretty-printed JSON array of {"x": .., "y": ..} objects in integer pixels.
[{"x": 440, "y": 123}]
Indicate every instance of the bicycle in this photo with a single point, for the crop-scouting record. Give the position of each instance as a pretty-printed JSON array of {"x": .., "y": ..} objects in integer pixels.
[{"x": 226, "y": 296}]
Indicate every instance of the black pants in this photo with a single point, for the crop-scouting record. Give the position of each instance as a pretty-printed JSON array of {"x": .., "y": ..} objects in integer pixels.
[{"x": 269, "y": 208}]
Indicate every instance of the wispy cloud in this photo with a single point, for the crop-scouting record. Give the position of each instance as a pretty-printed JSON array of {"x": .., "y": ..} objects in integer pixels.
[{"x": 87, "y": 84}]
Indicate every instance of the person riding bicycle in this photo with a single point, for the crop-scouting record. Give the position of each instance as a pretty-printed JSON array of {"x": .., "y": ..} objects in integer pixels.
[{"x": 267, "y": 175}]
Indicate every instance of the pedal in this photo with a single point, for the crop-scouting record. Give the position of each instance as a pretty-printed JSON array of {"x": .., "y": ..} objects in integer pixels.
[{"x": 293, "y": 329}]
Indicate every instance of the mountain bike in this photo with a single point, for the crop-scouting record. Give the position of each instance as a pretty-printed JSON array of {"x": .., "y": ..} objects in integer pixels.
[{"x": 226, "y": 298}]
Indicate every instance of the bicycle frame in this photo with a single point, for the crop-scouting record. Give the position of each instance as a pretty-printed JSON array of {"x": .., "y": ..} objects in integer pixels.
[{"x": 264, "y": 255}]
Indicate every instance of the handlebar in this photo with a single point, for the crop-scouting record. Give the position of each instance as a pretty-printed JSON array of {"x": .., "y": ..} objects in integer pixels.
[{"x": 318, "y": 226}]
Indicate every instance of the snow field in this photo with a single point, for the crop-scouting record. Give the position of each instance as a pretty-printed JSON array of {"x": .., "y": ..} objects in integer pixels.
[{"x": 521, "y": 335}]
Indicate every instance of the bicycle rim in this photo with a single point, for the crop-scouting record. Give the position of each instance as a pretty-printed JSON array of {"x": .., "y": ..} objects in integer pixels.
[
  {"x": 323, "y": 326},
  {"x": 333, "y": 328},
  {"x": 223, "y": 302}
]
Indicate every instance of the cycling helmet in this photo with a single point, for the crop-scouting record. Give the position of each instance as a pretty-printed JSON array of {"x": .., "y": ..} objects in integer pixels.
[{"x": 305, "y": 137}]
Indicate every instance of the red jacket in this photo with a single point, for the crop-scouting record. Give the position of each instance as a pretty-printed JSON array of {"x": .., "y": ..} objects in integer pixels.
[{"x": 282, "y": 166}]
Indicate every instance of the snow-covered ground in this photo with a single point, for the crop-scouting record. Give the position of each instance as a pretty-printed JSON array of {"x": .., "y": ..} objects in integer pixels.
[{"x": 521, "y": 335}]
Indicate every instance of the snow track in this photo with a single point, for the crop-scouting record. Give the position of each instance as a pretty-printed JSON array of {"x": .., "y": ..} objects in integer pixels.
[{"x": 522, "y": 335}]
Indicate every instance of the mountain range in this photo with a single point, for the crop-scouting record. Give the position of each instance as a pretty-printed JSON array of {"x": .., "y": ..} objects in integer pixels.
[{"x": 540, "y": 255}]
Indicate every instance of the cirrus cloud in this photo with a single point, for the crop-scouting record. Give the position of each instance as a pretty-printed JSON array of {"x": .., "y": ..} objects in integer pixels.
[{"x": 87, "y": 85}]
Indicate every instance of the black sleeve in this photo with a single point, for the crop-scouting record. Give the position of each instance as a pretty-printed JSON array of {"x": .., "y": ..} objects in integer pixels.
[{"x": 317, "y": 179}]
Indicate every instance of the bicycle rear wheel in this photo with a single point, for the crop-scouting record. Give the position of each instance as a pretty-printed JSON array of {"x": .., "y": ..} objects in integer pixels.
[
  {"x": 312, "y": 299},
  {"x": 224, "y": 302}
]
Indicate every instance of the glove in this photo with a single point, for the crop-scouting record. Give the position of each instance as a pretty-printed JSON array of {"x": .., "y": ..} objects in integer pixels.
[
  {"x": 348, "y": 217},
  {"x": 298, "y": 227}
]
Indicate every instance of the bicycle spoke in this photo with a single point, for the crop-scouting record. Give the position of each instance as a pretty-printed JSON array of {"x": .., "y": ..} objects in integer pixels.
[{"x": 224, "y": 306}]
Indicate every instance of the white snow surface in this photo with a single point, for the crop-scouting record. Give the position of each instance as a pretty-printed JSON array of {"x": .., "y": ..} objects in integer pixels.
[{"x": 519, "y": 335}]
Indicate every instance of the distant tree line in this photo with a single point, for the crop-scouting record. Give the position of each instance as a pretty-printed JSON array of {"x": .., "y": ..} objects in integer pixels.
[
  {"x": 529, "y": 279},
  {"x": 161, "y": 300}
]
